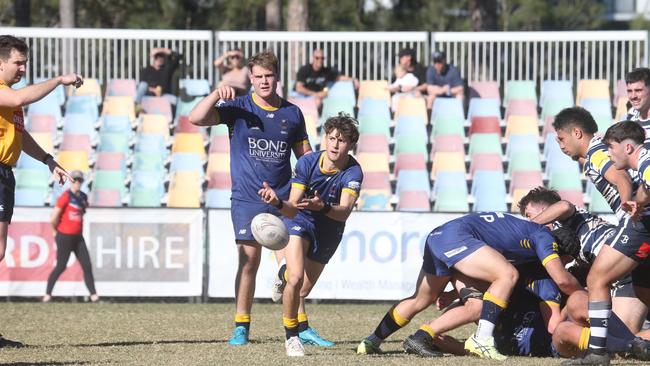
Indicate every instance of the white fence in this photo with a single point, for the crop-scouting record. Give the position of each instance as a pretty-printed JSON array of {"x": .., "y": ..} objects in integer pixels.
[{"x": 121, "y": 53}]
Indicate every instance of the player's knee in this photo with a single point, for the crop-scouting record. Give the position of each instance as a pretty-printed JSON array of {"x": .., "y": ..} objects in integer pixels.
[
  {"x": 295, "y": 278},
  {"x": 577, "y": 304},
  {"x": 474, "y": 307},
  {"x": 596, "y": 279},
  {"x": 509, "y": 276}
]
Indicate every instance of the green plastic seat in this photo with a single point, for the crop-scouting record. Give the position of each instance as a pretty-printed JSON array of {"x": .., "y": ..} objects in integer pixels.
[
  {"x": 147, "y": 161},
  {"x": 524, "y": 162},
  {"x": 219, "y": 130},
  {"x": 520, "y": 89},
  {"x": 109, "y": 179},
  {"x": 32, "y": 178},
  {"x": 448, "y": 125},
  {"x": 410, "y": 144},
  {"x": 603, "y": 122},
  {"x": 183, "y": 108},
  {"x": 553, "y": 106},
  {"x": 451, "y": 200},
  {"x": 598, "y": 203},
  {"x": 142, "y": 197},
  {"x": 373, "y": 125},
  {"x": 483, "y": 143},
  {"x": 113, "y": 142},
  {"x": 565, "y": 180},
  {"x": 333, "y": 106}
]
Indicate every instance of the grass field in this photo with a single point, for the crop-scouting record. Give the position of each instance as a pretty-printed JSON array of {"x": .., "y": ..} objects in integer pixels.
[{"x": 64, "y": 333}]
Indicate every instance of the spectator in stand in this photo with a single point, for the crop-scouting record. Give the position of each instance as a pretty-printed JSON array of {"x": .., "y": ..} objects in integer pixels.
[
  {"x": 408, "y": 59},
  {"x": 156, "y": 79},
  {"x": 443, "y": 80},
  {"x": 314, "y": 79},
  {"x": 233, "y": 72},
  {"x": 405, "y": 84},
  {"x": 67, "y": 221}
]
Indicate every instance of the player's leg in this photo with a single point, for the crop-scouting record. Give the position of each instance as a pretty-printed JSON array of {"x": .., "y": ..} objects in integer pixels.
[
  {"x": 280, "y": 280},
  {"x": 64, "y": 246},
  {"x": 81, "y": 252},
  {"x": 309, "y": 335},
  {"x": 4, "y": 228},
  {"x": 489, "y": 265},
  {"x": 295, "y": 258},
  {"x": 570, "y": 339},
  {"x": 249, "y": 255}
]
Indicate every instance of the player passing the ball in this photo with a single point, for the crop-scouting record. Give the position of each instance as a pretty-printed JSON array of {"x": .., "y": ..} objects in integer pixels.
[
  {"x": 264, "y": 128},
  {"x": 323, "y": 193},
  {"x": 14, "y": 139}
]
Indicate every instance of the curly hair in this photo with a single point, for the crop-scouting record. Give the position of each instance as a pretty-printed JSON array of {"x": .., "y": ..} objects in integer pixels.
[
  {"x": 345, "y": 125},
  {"x": 538, "y": 195}
]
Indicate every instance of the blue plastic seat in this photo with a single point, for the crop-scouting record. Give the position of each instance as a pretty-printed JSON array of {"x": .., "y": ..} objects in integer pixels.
[
  {"x": 526, "y": 143},
  {"x": 597, "y": 107},
  {"x": 117, "y": 124},
  {"x": 447, "y": 107},
  {"x": 184, "y": 161},
  {"x": 59, "y": 91},
  {"x": 27, "y": 162},
  {"x": 374, "y": 108},
  {"x": 343, "y": 89},
  {"x": 48, "y": 105},
  {"x": 84, "y": 104},
  {"x": 407, "y": 125},
  {"x": 113, "y": 142},
  {"x": 556, "y": 89},
  {"x": 217, "y": 198},
  {"x": 79, "y": 124},
  {"x": 556, "y": 160},
  {"x": 489, "y": 191},
  {"x": 151, "y": 142},
  {"x": 30, "y": 197},
  {"x": 195, "y": 87},
  {"x": 148, "y": 180},
  {"x": 374, "y": 201},
  {"x": 413, "y": 180},
  {"x": 484, "y": 108},
  {"x": 447, "y": 180}
]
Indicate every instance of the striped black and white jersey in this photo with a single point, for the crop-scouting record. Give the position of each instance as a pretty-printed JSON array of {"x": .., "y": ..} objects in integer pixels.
[{"x": 596, "y": 163}]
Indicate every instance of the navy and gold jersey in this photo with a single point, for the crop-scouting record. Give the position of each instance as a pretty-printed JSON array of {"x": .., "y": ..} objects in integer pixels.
[
  {"x": 311, "y": 177},
  {"x": 596, "y": 164},
  {"x": 261, "y": 141},
  {"x": 592, "y": 231},
  {"x": 534, "y": 279},
  {"x": 518, "y": 240}
]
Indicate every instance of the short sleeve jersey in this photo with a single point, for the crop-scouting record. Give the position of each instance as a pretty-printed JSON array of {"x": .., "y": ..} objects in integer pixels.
[
  {"x": 519, "y": 241},
  {"x": 635, "y": 116},
  {"x": 73, "y": 207},
  {"x": 261, "y": 140},
  {"x": 316, "y": 80},
  {"x": 311, "y": 177},
  {"x": 12, "y": 126},
  {"x": 644, "y": 168},
  {"x": 596, "y": 164},
  {"x": 592, "y": 231},
  {"x": 449, "y": 76}
]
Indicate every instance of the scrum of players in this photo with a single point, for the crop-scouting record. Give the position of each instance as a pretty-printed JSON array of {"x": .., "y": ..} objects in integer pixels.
[{"x": 523, "y": 299}]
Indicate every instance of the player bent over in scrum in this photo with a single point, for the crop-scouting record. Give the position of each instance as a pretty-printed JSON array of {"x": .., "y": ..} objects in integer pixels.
[
  {"x": 483, "y": 246},
  {"x": 323, "y": 193}
]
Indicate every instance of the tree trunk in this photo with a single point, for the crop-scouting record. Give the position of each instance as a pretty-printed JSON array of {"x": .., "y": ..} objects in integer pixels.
[
  {"x": 23, "y": 13},
  {"x": 297, "y": 16},
  {"x": 273, "y": 15},
  {"x": 66, "y": 14}
]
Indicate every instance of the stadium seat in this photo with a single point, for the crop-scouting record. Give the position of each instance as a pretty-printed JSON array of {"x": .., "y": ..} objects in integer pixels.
[
  {"x": 153, "y": 143},
  {"x": 113, "y": 142},
  {"x": 146, "y": 161},
  {"x": 565, "y": 180},
  {"x": 148, "y": 180},
  {"x": 219, "y": 162},
  {"x": 484, "y": 143},
  {"x": 183, "y": 125},
  {"x": 47, "y": 106},
  {"x": 377, "y": 108},
  {"x": 410, "y": 125},
  {"x": 376, "y": 180},
  {"x": 520, "y": 89},
  {"x": 72, "y": 142},
  {"x": 483, "y": 108},
  {"x": 373, "y": 162},
  {"x": 521, "y": 107},
  {"x": 412, "y": 180},
  {"x": 603, "y": 122},
  {"x": 105, "y": 198},
  {"x": 30, "y": 197},
  {"x": 521, "y": 125},
  {"x": 186, "y": 161},
  {"x": 110, "y": 161},
  {"x": 621, "y": 109},
  {"x": 620, "y": 92},
  {"x": 444, "y": 161},
  {"x": 333, "y": 106},
  {"x": 121, "y": 88},
  {"x": 556, "y": 90},
  {"x": 597, "y": 107},
  {"x": 195, "y": 87},
  {"x": 415, "y": 201},
  {"x": 91, "y": 88},
  {"x": 143, "y": 197},
  {"x": 447, "y": 143},
  {"x": 108, "y": 180},
  {"x": 77, "y": 123},
  {"x": 189, "y": 142},
  {"x": 592, "y": 88},
  {"x": 521, "y": 143},
  {"x": 158, "y": 105},
  {"x": 73, "y": 160},
  {"x": 374, "y": 200},
  {"x": 184, "y": 107},
  {"x": 119, "y": 106},
  {"x": 485, "y": 161},
  {"x": 485, "y": 90},
  {"x": 517, "y": 195},
  {"x": 154, "y": 124},
  {"x": 598, "y": 204},
  {"x": 184, "y": 190},
  {"x": 307, "y": 106},
  {"x": 32, "y": 178},
  {"x": 448, "y": 126},
  {"x": 343, "y": 89},
  {"x": 447, "y": 107},
  {"x": 574, "y": 196},
  {"x": 42, "y": 123},
  {"x": 489, "y": 191},
  {"x": 411, "y": 143},
  {"x": 525, "y": 180},
  {"x": 223, "y": 180},
  {"x": 373, "y": 89},
  {"x": 409, "y": 161},
  {"x": 485, "y": 125},
  {"x": 411, "y": 107},
  {"x": 27, "y": 162},
  {"x": 453, "y": 200},
  {"x": 83, "y": 104},
  {"x": 373, "y": 144},
  {"x": 219, "y": 144},
  {"x": 44, "y": 140},
  {"x": 448, "y": 181},
  {"x": 217, "y": 198},
  {"x": 552, "y": 107},
  {"x": 524, "y": 162},
  {"x": 374, "y": 125}
]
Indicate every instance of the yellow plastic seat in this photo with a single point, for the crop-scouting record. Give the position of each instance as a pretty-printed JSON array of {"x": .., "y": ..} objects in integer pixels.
[
  {"x": 375, "y": 89},
  {"x": 621, "y": 109},
  {"x": 373, "y": 162},
  {"x": 447, "y": 162},
  {"x": 218, "y": 162},
  {"x": 184, "y": 190},
  {"x": 89, "y": 87},
  {"x": 522, "y": 125},
  {"x": 154, "y": 123},
  {"x": 592, "y": 88},
  {"x": 407, "y": 106},
  {"x": 119, "y": 106},
  {"x": 73, "y": 160},
  {"x": 44, "y": 140},
  {"x": 189, "y": 142},
  {"x": 310, "y": 124}
]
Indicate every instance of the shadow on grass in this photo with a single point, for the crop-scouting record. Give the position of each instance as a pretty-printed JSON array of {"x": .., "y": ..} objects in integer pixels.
[
  {"x": 46, "y": 363},
  {"x": 140, "y": 343}
]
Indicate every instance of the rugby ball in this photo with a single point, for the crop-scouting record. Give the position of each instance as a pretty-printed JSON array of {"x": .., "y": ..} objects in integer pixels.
[{"x": 269, "y": 231}]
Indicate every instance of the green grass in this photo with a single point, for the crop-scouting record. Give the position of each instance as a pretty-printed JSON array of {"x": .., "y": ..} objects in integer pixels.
[{"x": 63, "y": 333}]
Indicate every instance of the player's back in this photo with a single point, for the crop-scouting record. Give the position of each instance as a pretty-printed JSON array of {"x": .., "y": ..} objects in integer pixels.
[{"x": 592, "y": 231}]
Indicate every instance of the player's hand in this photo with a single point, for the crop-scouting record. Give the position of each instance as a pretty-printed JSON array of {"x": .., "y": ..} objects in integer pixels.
[
  {"x": 631, "y": 207},
  {"x": 60, "y": 174},
  {"x": 445, "y": 299},
  {"x": 268, "y": 195},
  {"x": 72, "y": 79},
  {"x": 225, "y": 92},
  {"x": 313, "y": 204}
]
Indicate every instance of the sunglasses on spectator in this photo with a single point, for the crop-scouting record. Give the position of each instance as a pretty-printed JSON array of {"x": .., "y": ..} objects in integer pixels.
[
  {"x": 319, "y": 57},
  {"x": 235, "y": 56},
  {"x": 80, "y": 180}
]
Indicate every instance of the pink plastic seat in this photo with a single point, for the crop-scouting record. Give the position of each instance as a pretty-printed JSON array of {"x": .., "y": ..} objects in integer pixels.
[
  {"x": 220, "y": 180},
  {"x": 105, "y": 198},
  {"x": 121, "y": 88},
  {"x": 376, "y": 180},
  {"x": 485, "y": 90},
  {"x": 157, "y": 105},
  {"x": 485, "y": 124},
  {"x": 408, "y": 161},
  {"x": 219, "y": 144},
  {"x": 42, "y": 123},
  {"x": 521, "y": 107},
  {"x": 413, "y": 201},
  {"x": 574, "y": 196},
  {"x": 373, "y": 144},
  {"x": 487, "y": 161},
  {"x": 74, "y": 142},
  {"x": 525, "y": 180},
  {"x": 109, "y": 161}
]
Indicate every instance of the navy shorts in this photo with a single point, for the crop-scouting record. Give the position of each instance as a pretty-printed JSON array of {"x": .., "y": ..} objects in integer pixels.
[
  {"x": 632, "y": 238},
  {"x": 7, "y": 192},
  {"x": 323, "y": 239},
  {"x": 452, "y": 242},
  {"x": 242, "y": 213},
  {"x": 432, "y": 265}
]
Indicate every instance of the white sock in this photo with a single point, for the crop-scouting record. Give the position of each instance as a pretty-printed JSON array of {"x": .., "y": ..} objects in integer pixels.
[{"x": 485, "y": 329}]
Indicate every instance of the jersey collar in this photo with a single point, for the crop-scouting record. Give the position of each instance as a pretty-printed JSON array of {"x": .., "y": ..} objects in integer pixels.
[
  {"x": 320, "y": 165},
  {"x": 254, "y": 97}
]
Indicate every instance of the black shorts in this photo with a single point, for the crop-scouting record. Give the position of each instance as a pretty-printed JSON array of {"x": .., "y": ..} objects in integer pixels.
[
  {"x": 632, "y": 238},
  {"x": 7, "y": 193}
]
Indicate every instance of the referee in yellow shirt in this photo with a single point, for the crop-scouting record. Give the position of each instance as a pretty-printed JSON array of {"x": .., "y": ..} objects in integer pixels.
[{"x": 13, "y": 137}]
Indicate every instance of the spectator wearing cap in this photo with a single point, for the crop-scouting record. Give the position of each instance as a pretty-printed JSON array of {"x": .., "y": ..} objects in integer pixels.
[
  {"x": 408, "y": 60},
  {"x": 156, "y": 79},
  {"x": 233, "y": 71},
  {"x": 67, "y": 221},
  {"x": 443, "y": 79},
  {"x": 314, "y": 79}
]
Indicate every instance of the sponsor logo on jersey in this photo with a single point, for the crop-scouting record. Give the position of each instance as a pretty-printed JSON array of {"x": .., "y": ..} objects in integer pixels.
[
  {"x": 19, "y": 121},
  {"x": 354, "y": 185},
  {"x": 266, "y": 149},
  {"x": 270, "y": 115},
  {"x": 644, "y": 251},
  {"x": 456, "y": 251}
]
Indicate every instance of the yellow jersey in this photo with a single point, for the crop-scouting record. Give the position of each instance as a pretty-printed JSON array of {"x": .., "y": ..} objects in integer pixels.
[{"x": 11, "y": 132}]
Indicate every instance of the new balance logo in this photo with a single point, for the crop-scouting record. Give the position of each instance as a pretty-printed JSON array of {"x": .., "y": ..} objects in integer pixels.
[
  {"x": 296, "y": 228},
  {"x": 242, "y": 231}
]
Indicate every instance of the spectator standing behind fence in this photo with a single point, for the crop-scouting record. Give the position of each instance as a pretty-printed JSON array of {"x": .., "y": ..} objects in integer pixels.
[
  {"x": 67, "y": 221},
  {"x": 233, "y": 72},
  {"x": 405, "y": 84},
  {"x": 156, "y": 79},
  {"x": 14, "y": 138},
  {"x": 443, "y": 80},
  {"x": 314, "y": 79}
]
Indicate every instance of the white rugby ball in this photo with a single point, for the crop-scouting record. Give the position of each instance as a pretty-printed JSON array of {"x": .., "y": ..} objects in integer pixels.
[{"x": 270, "y": 231}]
